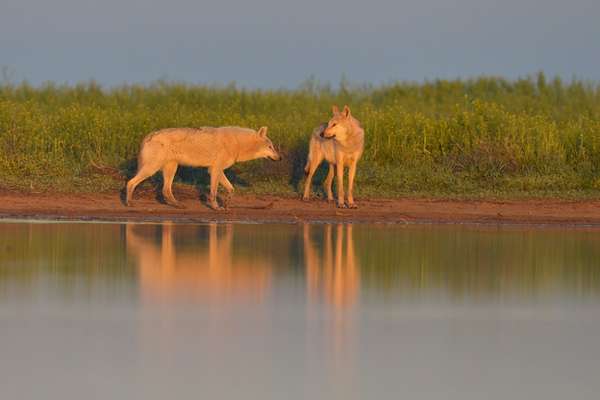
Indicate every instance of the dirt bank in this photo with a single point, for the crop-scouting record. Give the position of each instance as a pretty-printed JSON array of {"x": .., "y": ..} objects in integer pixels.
[{"x": 250, "y": 208}]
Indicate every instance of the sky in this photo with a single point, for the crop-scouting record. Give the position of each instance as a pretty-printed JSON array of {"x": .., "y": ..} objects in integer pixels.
[{"x": 280, "y": 43}]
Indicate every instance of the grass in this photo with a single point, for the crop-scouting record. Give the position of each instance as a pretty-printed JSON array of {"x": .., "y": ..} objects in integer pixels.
[{"x": 486, "y": 137}]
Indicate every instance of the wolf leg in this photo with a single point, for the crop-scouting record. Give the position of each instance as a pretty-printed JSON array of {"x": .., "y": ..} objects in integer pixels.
[
  {"x": 340, "y": 182},
  {"x": 169, "y": 171},
  {"x": 215, "y": 176},
  {"x": 228, "y": 186},
  {"x": 351, "y": 174},
  {"x": 142, "y": 174},
  {"x": 328, "y": 182},
  {"x": 314, "y": 164}
]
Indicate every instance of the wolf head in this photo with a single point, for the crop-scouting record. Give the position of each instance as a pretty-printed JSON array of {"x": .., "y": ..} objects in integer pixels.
[
  {"x": 265, "y": 148},
  {"x": 339, "y": 126}
]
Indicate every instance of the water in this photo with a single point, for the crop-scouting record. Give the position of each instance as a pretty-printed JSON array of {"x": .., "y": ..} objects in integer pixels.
[{"x": 113, "y": 311}]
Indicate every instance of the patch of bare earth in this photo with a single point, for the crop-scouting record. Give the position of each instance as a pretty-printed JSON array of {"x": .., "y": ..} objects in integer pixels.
[{"x": 250, "y": 208}]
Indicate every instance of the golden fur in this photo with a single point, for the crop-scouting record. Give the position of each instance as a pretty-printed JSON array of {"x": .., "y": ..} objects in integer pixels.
[
  {"x": 341, "y": 143},
  {"x": 215, "y": 148}
]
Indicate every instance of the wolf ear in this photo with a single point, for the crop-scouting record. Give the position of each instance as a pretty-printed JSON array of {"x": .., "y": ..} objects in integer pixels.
[
  {"x": 335, "y": 110},
  {"x": 346, "y": 111},
  {"x": 262, "y": 132}
]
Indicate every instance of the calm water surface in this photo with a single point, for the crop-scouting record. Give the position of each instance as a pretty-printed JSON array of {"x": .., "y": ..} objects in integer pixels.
[{"x": 159, "y": 311}]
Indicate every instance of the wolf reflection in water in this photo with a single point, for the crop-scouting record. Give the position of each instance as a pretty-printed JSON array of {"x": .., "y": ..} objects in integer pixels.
[
  {"x": 210, "y": 264},
  {"x": 334, "y": 272},
  {"x": 211, "y": 269}
]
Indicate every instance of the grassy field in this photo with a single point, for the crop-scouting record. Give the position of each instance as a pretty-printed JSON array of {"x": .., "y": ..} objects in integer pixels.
[{"x": 487, "y": 137}]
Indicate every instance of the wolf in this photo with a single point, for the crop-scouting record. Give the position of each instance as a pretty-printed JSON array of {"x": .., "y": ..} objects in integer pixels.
[
  {"x": 340, "y": 142},
  {"x": 215, "y": 148}
]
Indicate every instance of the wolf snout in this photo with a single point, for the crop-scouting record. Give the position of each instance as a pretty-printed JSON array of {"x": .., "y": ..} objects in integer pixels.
[{"x": 325, "y": 136}]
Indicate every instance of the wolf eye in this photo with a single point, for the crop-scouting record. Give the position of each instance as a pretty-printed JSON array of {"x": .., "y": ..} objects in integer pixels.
[{"x": 333, "y": 125}]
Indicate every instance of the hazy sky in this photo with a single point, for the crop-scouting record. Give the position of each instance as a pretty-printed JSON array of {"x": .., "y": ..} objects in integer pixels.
[{"x": 271, "y": 43}]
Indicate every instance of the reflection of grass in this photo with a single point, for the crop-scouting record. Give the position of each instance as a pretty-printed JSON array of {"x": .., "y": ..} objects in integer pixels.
[
  {"x": 75, "y": 255},
  {"x": 487, "y": 261},
  {"x": 458, "y": 261},
  {"x": 485, "y": 137}
]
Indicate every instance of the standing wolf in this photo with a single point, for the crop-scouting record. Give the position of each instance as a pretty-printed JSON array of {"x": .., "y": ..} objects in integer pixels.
[
  {"x": 341, "y": 143},
  {"x": 215, "y": 148}
]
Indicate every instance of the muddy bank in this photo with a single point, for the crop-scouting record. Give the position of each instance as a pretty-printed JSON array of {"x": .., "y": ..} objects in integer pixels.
[{"x": 253, "y": 208}]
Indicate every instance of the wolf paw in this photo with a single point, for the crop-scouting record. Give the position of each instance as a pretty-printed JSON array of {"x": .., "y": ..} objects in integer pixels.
[
  {"x": 341, "y": 205},
  {"x": 352, "y": 205}
]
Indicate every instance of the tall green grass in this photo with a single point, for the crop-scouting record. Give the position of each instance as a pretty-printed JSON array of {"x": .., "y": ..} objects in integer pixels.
[{"x": 480, "y": 137}]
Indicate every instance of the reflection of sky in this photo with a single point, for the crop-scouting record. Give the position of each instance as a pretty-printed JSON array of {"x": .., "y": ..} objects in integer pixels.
[{"x": 272, "y": 43}]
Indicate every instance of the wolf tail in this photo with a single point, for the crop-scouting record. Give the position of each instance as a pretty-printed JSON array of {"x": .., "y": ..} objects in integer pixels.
[
  {"x": 313, "y": 147},
  {"x": 310, "y": 154}
]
